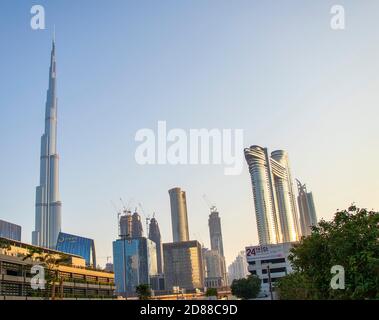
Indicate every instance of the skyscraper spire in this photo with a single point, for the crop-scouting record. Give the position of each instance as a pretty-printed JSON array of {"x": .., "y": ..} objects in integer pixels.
[
  {"x": 155, "y": 235},
  {"x": 48, "y": 205}
]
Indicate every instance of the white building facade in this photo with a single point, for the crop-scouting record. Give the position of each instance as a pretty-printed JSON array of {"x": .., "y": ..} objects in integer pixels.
[
  {"x": 269, "y": 263},
  {"x": 273, "y": 193}
]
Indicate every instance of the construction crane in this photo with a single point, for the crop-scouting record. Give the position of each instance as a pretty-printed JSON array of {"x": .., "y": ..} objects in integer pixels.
[
  {"x": 123, "y": 205},
  {"x": 210, "y": 206},
  {"x": 118, "y": 216},
  {"x": 147, "y": 218}
]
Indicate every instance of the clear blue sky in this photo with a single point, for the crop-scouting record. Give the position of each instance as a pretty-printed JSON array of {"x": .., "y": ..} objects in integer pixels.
[{"x": 272, "y": 68}]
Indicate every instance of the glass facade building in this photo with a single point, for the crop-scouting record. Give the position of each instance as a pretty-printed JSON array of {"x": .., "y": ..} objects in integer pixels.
[
  {"x": 134, "y": 262},
  {"x": 10, "y": 231},
  {"x": 80, "y": 246},
  {"x": 274, "y": 198}
]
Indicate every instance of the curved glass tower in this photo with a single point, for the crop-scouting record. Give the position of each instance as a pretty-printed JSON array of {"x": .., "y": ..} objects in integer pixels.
[
  {"x": 274, "y": 199},
  {"x": 48, "y": 204}
]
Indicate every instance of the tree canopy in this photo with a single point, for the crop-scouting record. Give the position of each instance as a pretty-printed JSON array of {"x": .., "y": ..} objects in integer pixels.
[
  {"x": 143, "y": 291},
  {"x": 247, "y": 288},
  {"x": 351, "y": 240}
]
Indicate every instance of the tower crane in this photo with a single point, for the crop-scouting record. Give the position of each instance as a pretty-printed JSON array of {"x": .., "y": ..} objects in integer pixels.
[
  {"x": 210, "y": 206},
  {"x": 147, "y": 219}
]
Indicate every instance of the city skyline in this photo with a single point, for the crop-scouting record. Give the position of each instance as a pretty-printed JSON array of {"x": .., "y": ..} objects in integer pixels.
[{"x": 103, "y": 85}]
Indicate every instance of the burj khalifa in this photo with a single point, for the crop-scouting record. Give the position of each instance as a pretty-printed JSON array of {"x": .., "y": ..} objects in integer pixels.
[{"x": 48, "y": 204}]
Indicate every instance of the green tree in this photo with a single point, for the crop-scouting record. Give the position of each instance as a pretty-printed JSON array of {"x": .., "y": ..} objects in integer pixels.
[
  {"x": 51, "y": 262},
  {"x": 5, "y": 244},
  {"x": 350, "y": 240},
  {"x": 294, "y": 286},
  {"x": 247, "y": 288},
  {"x": 211, "y": 292},
  {"x": 143, "y": 291}
]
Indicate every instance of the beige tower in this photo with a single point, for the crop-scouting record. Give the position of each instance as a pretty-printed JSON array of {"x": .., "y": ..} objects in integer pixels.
[{"x": 179, "y": 219}]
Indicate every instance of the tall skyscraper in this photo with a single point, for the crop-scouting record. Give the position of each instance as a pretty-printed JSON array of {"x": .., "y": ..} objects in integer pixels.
[
  {"x": 48, "y": 204},
  {"x": 183, "y": 260},
  {"x": 215, "y": 233},
  {"x": 136, "y": 225},
  {"x": 308, "y": 217},
  {"x": 214, "y": 223},
  {"x": 274, "y": 198},
  {"x": 179, "y": 219},
  {"x": 155, "y": 235}
]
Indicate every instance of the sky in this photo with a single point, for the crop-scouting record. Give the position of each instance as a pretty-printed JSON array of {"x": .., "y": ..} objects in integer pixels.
[{"x": 275, "y": 69}]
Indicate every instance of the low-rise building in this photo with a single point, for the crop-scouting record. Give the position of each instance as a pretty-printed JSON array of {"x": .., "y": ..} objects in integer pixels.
[
  {"x": 269, "y": 262},
  {"x": 75, "y": 279},
  {"x": 10, "y": 230}
]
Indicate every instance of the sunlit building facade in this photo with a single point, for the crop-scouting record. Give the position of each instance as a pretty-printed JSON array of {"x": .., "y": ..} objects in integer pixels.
[
  {"x": 215, "y": 234},
  {"x": 48, "y": 204},
  {"x": 179, "y": 218},
  {"x": 238, "y": 269},
  {"x": 155, "y": 235},
  {"x": 274, "y": 199},
  {"x": 183, "y": 265},
  {"x": 78, "y": 281},
  {"x": 307, "y": 211},
  {"x": 215, "y": 272}
]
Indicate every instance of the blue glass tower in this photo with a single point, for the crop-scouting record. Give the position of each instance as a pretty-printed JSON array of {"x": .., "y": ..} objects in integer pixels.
[{"x": 134, "y": 262}]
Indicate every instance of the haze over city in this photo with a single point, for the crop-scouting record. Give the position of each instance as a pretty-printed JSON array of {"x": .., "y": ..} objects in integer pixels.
[{"x": 246, "y": 65}]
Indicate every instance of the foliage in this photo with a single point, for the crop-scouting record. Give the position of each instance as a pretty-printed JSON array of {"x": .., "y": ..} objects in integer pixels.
[
  {"x": 211, "y": 292},
  {"x": 51, "y": 262},
  {"x": 294, "y": 286},
  {"x": 143, "y": 291},
  {"x": 5, "y": 244},
  {"x": 247, "y": 288},
  {"x": 350, "y": 240}
]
